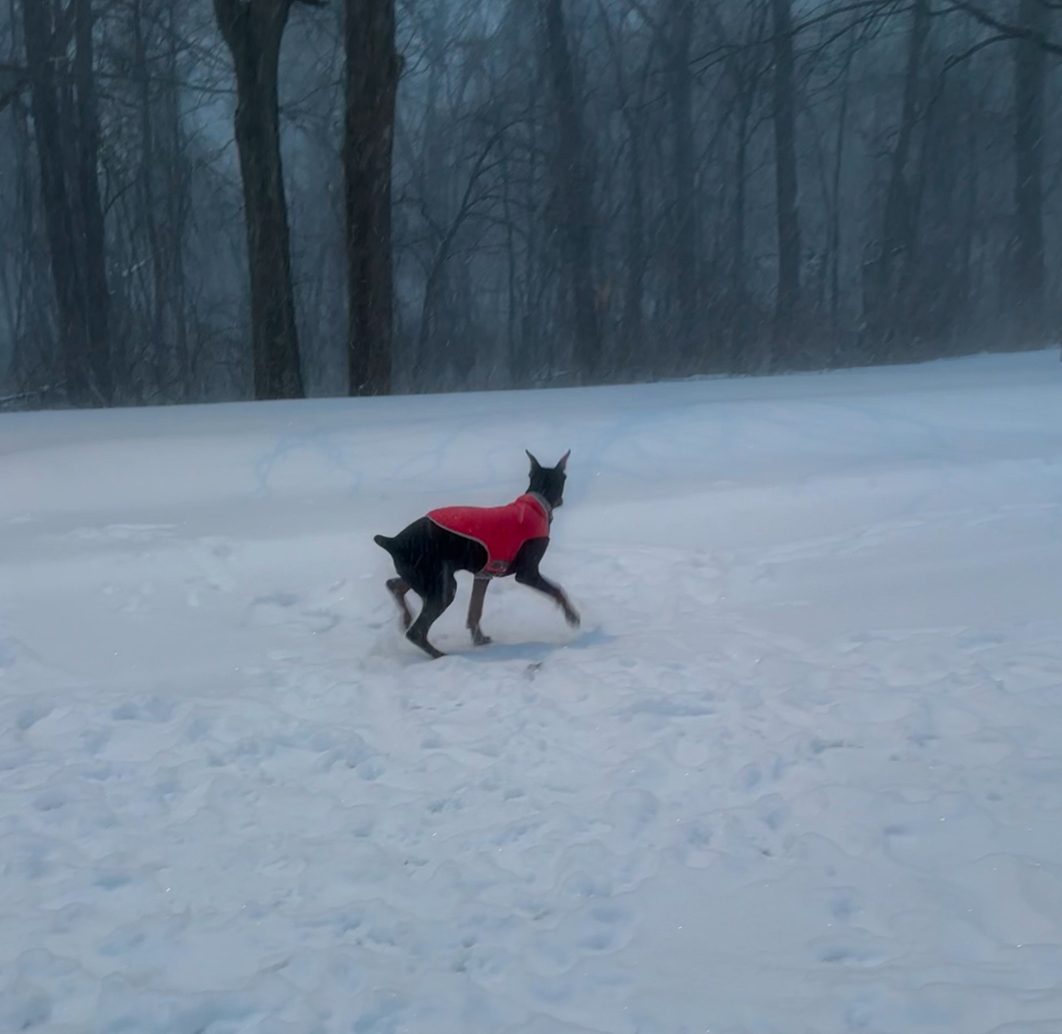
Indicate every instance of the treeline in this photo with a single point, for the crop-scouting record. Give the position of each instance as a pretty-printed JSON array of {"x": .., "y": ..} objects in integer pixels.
[{"x": 214, "y": 199}]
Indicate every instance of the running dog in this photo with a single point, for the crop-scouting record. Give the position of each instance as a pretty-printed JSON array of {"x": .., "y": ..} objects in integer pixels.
[{"x": 491, "y": 542}]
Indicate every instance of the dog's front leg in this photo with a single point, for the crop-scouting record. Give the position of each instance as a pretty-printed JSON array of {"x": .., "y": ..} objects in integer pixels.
[
  {"x": 527, "y": 573},
  {"x": 535, "y": 581},
  {"x": 475, "y": 610}
]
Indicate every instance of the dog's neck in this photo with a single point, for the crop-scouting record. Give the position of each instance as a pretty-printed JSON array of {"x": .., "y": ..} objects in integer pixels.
[{"x": 545, "y": 504}]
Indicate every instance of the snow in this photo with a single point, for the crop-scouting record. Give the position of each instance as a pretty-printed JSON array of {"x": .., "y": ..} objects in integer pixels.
[{"x": 799, "y": 771}]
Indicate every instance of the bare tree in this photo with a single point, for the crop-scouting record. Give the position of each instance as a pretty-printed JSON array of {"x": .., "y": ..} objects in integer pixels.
[
  {"x": 892, "y": 266},
  {"x": 833, "y": 242},
  {"x": 1030, "y": 74},
  {"x": 632, "y": 100},
  {"x": 680, "y": 91},
  {"x": 28, "y": 353},
  {"x": 574, "y": 190},
  {"x": 559, "y": 192},
  {"x": 68, "y": 152},
  {"x": 373, "y": 69},
  {"x": 787, "y": 306},
  {"x": 90, "y": 209},
  {"x": 746, "y": 60},
  {"x": 152, "y": 207},
  {"x": 253, "y": 31}
]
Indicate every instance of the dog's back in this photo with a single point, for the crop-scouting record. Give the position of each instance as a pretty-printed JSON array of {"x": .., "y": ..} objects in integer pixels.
[{"x": 425, "y": 554}]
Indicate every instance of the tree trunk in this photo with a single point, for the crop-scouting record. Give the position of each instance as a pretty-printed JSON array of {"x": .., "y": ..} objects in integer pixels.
[
  {"x": 148, "y": 200},
  {"x": 1030, "y": 62},
  {"x": 58, "y": 218},
  {"x": 510, "y": 255},
  {"x": 900, "y": 225},
  {"x": 633, "y": 320},
  {"x": 72, "y": 210},
  {"x": 680, "y": 89},
  {"x": 253, "y": 32},
  {"x": 784, "y": 115},
  {"x": 178, "y": 206},
  {"x": 90, "y": 209},
  {"x": 30, "y": 290},
  {"x": 739, "y": 310},
  {"x": 632, "y": 334},
  {"x": 574, "y": 191},
  {"x": 968, "y": 296},
  {"x": 738, "y": 287},
  {"x": 373, "y": 68},
  {"x": 833, "y": 249},
  {"x": 526, "y": 362}
]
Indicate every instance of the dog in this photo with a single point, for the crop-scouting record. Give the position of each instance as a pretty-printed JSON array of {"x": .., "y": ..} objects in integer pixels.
[{"x": 491, "y": 542}]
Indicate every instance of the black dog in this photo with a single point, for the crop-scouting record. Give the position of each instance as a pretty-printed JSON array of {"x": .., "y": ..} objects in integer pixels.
[{"x": 490, "y": 542}]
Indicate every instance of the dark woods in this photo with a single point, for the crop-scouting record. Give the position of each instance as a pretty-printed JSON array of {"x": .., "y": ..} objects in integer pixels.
[{"x": 211, "y": 199}]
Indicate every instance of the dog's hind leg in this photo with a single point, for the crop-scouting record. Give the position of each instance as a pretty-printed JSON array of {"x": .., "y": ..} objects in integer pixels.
[
  {"x": 399, "y": 587},
  {"x": 475, "y": 610},
  {"x": 441, "y": 596}
]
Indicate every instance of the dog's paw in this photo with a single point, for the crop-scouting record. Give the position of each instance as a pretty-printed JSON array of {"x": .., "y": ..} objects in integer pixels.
[
  {"x": 571, "y": 615},
  {"x": 479, "y": 639},
  {"x": 425, "y": 646}
]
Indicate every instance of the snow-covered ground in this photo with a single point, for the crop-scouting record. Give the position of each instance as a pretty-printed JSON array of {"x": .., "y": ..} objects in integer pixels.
[{"x": 799, "y": 771}]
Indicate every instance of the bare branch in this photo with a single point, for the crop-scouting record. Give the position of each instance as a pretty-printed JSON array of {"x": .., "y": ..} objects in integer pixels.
[{"x": 1006, "y": 29}]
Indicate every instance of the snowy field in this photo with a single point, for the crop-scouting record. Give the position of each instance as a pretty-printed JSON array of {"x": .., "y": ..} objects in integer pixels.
[{"x": 799, "y": 772}]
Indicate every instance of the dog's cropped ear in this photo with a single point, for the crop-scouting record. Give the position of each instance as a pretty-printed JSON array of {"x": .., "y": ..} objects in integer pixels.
[
  {"x": 535, "y": 465},
  {"x": 563, "y": 464}
]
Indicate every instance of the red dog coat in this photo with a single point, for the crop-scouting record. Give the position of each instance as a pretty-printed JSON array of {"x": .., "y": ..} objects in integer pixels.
[{"x": 500, "y": 530}]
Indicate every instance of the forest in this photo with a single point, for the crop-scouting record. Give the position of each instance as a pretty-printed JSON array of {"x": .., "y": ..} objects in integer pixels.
[{"x": 207, "y": 200}]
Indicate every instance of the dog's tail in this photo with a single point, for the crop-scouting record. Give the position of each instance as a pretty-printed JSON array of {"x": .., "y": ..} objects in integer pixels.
[{"x": 385, "y": 543}]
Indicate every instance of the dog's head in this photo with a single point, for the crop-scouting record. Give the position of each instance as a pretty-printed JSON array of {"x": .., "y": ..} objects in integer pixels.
[{"x": 548, "y": 482}]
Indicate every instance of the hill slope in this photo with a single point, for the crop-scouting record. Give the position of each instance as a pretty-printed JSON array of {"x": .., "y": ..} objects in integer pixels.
[{"x": 800, "y": 769}]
